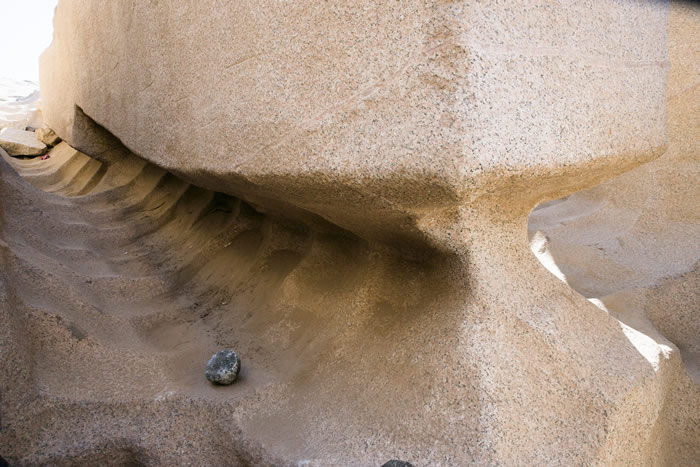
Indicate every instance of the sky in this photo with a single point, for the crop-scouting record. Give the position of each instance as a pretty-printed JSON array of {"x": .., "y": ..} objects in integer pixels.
[{"x": 26, "y": 29}]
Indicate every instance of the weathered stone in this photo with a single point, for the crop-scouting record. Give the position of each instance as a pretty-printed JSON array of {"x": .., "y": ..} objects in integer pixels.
[
  {"x": 223, "y": 367},
  {"x": 632, "y": 246},
  {"x": 397, "y": 463},
  {"x": 384, "y": 158},
  {"x": 47, "y": 136},
  {"x": 462, "y": 102},
  {"x": 432, "y": 128},
  {"x": 21, "y": 142}
]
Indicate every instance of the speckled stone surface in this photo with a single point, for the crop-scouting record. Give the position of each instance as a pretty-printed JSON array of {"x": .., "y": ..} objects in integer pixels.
[
  {"x": 370, "y": 114},
  {"x": 632, "y": 245},
  {"x": 223, "y": 367},
  {"x": 374, "y": 265}
]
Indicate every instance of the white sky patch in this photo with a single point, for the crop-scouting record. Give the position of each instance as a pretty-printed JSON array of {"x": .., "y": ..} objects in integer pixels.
[{"x": 26, "y": 30}]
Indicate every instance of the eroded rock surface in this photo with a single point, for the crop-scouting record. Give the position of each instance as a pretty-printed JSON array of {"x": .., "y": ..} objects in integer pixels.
[
  {"x": 47, "y": 136},
  {"x": 340, "y": 192},
  {"x": 380, "y": 117},
  {"x": 632, "y": 246},
  {"x": 21, "y": 143}
]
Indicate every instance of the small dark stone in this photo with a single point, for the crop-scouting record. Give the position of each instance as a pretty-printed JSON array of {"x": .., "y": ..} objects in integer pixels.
[
  {"x": 223, "y": 367},
  {"x": 395, "y": 463}
]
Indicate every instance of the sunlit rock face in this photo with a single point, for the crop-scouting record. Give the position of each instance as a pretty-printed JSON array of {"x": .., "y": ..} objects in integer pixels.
[
  {"x": 632, "y": 246},
  {"x": 373, "y": 115},
  {"x": 340, "y": 192}
]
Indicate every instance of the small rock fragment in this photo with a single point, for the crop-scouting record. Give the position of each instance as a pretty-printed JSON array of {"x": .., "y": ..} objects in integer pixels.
[
  {"x": 47, "y": 136},
  {"x": 396, "y": 463},
  {"x": 21, "y": 143},
  {"x": 223, "y": 367}
]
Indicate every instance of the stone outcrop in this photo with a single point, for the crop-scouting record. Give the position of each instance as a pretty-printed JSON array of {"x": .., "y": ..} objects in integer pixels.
[
  {"x": 377, "y": 117},
  {"x": 632, "y": 246},
  {"x": 341, "y": 193},
  {"x": 21, "y": 142},
  {"x": 47, "y": 136}
]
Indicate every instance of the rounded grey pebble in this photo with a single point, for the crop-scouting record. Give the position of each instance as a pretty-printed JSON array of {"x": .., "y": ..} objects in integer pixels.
[
  {"x": 395, "y": 463},
  {"x": 223, "y": 367}
]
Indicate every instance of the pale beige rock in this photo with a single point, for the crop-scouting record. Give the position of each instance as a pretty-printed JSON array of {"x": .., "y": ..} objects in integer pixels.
[
  {"x": 47, "y": 136},
  {"x": 632, "y": 245},
  {"x": 21, "y": 143},
  {"x": 373, "y": 268},
  {"x": 338, "y": 110}
]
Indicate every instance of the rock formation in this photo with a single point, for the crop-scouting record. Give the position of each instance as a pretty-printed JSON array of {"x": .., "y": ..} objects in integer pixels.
[
  {"x": 341, "y": 193},
  {"x": 47, "y": 136},
  {"x": 21, "y": 143},
  {"x": 632, "y": 246}
]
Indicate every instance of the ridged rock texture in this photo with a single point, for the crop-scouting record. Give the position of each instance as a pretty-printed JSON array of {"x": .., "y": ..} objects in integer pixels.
[{"x": 339, "y": 191}]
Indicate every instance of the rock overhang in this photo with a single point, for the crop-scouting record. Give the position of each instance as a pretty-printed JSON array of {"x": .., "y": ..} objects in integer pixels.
[{"x": 406, "y": 108}]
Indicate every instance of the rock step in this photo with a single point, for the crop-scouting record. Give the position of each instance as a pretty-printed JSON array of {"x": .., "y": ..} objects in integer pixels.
[{"x": 21, "y": 143}]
